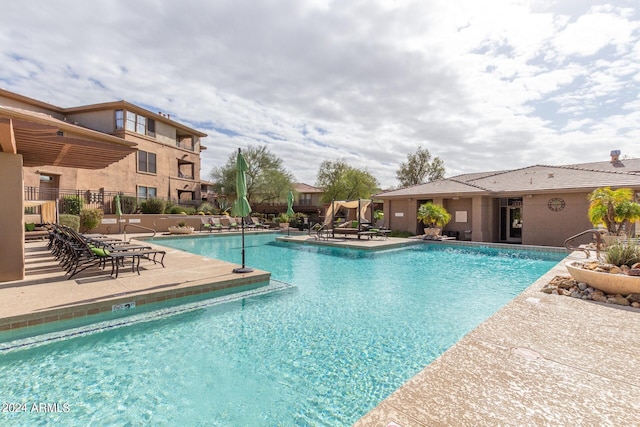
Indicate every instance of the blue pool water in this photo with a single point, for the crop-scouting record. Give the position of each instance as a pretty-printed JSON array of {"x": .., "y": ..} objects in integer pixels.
[{"x": 354, "y": 327}]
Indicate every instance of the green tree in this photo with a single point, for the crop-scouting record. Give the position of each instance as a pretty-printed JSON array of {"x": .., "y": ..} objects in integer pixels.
[
  {"x": 433, "y": 215},
  {"x": 419, "y": 168},
  {"x": 613, "y": 208},
  {"x": 267, "y": 180},
  {"x": 340, "y": 181}
]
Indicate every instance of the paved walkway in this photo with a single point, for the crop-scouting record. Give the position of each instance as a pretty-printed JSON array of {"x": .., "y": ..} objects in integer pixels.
[{"x": 543, "y": 360}]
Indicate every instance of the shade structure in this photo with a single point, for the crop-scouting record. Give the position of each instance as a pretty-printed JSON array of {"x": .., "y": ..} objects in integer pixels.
[
  {"x": 290, "y": 211},
  {"x": 241, "y": 207},
  {"x": 116, "y": 201}
]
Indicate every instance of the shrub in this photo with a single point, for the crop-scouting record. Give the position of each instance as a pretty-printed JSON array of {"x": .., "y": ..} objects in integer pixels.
[
  {"x": 71, "y": 221},
  {"x": 90, "y": 219},
  {"x": 188, "y": 211},
  {"x": 623, "y": 253},
  {"x": 152, "y": 206},
  {"x": 128, "y": 204},
  {"x": 206, "y": 207},
  {"x": 404, "y": 234},
  {"x": 173, "y": 210},
  {"x": 72, "y": 205}
]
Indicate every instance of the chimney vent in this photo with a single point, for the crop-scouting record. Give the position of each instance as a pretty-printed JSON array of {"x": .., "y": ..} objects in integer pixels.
[{"x": 615, "y": 155}]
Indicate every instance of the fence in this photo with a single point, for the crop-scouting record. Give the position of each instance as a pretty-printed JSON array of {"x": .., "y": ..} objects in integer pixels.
[{"x": 71, "y": 201}]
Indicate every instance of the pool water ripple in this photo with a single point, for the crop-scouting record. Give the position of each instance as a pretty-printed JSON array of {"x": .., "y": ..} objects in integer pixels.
[{"x": 355, "y": 326}]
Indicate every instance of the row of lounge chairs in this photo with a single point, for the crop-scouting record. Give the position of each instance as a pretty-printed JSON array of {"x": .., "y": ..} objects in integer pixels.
[
  {"x": 76, "y": 252},
  {"x": 230, "y": 224}
]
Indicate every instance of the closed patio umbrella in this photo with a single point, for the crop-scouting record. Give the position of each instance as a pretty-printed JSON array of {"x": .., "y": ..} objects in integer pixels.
[
  {"x": 241, "y": 207},
  {"x": 290, "y": 211},
  {"x": 116, "y": 201}
]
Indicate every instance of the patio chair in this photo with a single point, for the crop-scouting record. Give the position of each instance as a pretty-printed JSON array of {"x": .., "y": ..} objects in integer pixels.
[{"x": 210, "y": 224}]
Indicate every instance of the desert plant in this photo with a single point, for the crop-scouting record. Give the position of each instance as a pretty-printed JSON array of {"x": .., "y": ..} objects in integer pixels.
[
  {"x": 433, "y": 215},
  {"x": 152, "y": 206},
  {"x": 71, "y": 221},
  {"x": 72, "y": 205},
  {"x": 182, "y": 223},
  {"x": 90, "y": 219},
  {"x": 613, "y": 208},
  {"x": 623, "y": 253},
  {"x": 128, "y": 204},
  {"x": 281, "y": 219},
  {"x": 206, "y": 207}
]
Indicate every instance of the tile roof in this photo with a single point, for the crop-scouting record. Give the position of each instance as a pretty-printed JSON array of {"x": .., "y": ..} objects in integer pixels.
[
  {"x": 538, "y": 178},
  {"x": 306, "y": 188}
]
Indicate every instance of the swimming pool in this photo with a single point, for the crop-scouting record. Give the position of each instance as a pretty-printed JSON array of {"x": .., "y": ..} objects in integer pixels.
[{"x": 354, "y": 327}]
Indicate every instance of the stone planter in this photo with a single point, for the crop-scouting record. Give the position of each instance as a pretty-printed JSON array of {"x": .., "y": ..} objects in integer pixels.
[
  {"x": 609, "y": 283},
  {"x": 180, "y": 230}
]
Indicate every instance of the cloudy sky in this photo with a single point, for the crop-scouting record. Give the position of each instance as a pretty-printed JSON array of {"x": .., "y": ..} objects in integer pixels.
[{"x": 484, "y": 85}]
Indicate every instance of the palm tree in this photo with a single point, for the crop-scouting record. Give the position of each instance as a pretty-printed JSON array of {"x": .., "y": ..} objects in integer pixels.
[
  {"x": 613, "y": 208},
  {"x": 433, "y": 215}
]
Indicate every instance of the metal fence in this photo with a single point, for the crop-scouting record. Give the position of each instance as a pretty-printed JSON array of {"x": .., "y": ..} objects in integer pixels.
[{"x": 71, "y": 201}]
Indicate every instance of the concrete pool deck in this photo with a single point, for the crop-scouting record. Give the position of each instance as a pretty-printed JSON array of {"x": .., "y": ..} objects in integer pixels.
[
  {"x": 45, "y": 295},
  {"x": 541, "y": 360}
]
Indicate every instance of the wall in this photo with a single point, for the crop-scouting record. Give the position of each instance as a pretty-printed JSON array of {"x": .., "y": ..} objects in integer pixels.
[
  {"x": 462, "y": 205},
  {"x": 542, "y": 226},
  {"x": 31, "y": 107},
  {"x": 11, "y": 218},
  {"x": 405, "y": 207},
  {"x": 102, "y": 121}
]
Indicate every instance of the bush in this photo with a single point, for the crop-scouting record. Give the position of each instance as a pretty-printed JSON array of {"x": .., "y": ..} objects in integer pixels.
[
  {"x": 623, "y": 253},
  {"x": 206, "y": 207},
  {"x": 404, "y": 234},
  {"x": 71, "y": 221},
  {"x": 152, "y": 206},
  {"x": 72, "y": 205},
  {"x": 128, "y": 204},
  {"x": 188, "y": 211},
  {"x": 173, "y": 210},
  {"x": 90, "y": 219}
]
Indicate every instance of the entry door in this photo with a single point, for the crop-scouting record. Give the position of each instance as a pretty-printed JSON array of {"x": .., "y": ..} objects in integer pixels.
[{"x": 514, "y": 224}]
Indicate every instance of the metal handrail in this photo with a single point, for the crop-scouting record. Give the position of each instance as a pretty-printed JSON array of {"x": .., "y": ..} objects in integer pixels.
[
  {"x": 137, "y": 226},
  {"x": 594, "y": 232}
]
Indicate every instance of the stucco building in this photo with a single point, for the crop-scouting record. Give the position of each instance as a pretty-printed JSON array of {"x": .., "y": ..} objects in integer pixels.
[
  {"x": 536, "y": 205},
  {"x": 164, "y": 164},
  {"x": 110, "y": 147}
]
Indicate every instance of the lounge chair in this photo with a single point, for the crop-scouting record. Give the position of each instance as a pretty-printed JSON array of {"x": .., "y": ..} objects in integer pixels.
[
  {"x": 210, "y": 224},
  {"x": 229, "y": 223},
  {"x": 381, "y": 231},
  {"x": 258, "y": 224}
]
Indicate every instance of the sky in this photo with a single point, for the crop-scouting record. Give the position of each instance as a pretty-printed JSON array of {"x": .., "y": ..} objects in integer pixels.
[{"x": 483, "y": 85}]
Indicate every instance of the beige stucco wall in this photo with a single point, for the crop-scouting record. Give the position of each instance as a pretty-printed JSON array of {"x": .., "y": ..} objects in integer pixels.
[
  {"x": 31, "y": 107},
  {"x": 103, "y": 121},
  {"x": 11, "y": 218},
  {"x": 461, "y": 205},
  {"x": 123, "y": 175},
  {"x": 541, "y": 226}
]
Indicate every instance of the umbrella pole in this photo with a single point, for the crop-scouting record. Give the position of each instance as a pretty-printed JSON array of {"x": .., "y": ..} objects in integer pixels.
[{"x": 243, "y": 269}]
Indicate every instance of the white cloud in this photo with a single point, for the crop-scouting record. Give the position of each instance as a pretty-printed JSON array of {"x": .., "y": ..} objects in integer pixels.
[{"x": 483, "y": 85}]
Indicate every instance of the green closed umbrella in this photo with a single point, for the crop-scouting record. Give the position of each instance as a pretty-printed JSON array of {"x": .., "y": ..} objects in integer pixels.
[
  {"x": 290, "y": 211},
  {"x": 241, "y": 207},
  {"x": 116, "y": 201}
]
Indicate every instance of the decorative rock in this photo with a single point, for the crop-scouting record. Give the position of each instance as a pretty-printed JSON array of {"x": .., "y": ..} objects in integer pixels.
[
  {"x": 615, "y": 270},
  {"x": 634, "y": 272},
  {"x": 636, "y": 265},
  {"x": 582, "y": 286},
  {"x": 635, "y": 304},
  {"x": 634, "y": 298},
  {"x": 618, "y": 299}
]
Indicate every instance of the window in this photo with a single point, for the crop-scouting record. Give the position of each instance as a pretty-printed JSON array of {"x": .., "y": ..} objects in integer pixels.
[
  {"x": 147, "y": 192},
  {"x": 135, "y": 123},
  {"x": 119, "y": 119},
  {"x": 146, "y": 161},
  {"x": 131, "y": 121},
  {"x": 304, "y": 199}
]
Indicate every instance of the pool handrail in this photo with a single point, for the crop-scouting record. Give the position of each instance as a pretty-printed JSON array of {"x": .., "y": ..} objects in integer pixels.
[
  {"x": 137, "y": 226},
  {"x": 593, "y": 231}
]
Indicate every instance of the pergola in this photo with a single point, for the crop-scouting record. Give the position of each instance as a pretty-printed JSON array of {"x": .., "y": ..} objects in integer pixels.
[{"x": 44, "y": 140}]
